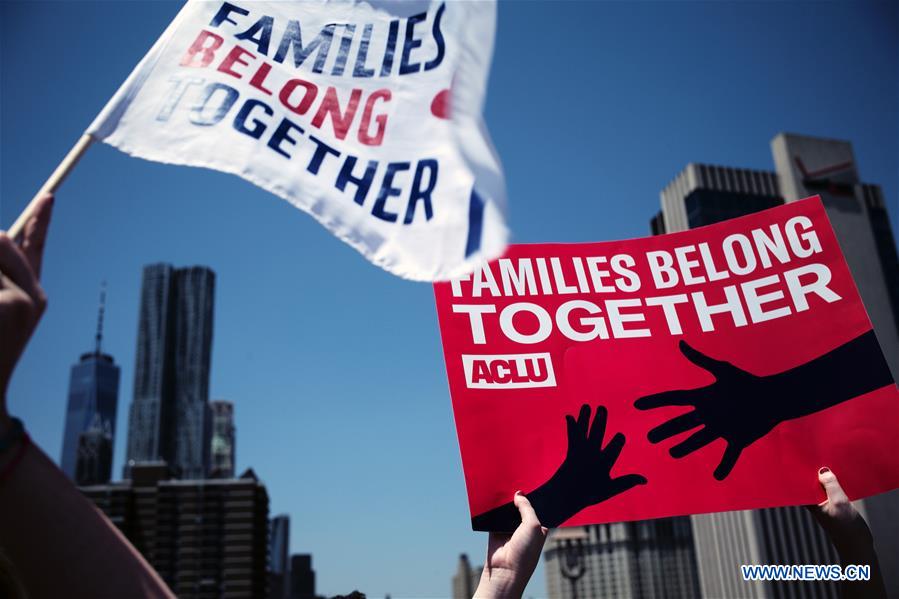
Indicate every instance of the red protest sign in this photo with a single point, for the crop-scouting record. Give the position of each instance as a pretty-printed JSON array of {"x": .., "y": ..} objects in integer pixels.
[{"x": 709, "y": 370}]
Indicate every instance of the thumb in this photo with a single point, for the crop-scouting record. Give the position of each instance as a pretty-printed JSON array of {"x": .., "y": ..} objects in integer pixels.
[
  {"x": 828, "y": 480},
  {"x": 525, "y": 509},
  {"x": 625, "y": 483},
  {"x": 35, "y": 234},
  {"x": 716, "y": 367}
]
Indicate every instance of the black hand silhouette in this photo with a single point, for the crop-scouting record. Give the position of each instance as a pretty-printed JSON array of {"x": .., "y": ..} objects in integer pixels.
[
  {"x": 583, "y": 479},
  {"x": 738, "y": 407},
  {"x": 741, "y": 407}
]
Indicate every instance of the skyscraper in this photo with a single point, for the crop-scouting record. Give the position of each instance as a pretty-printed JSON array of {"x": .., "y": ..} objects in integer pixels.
[
  {"x": 222, "y": 444},
  {"x": 466, "y": 579},
  {"x": 703, "y": 194},
  {"x": 278, "y": 557},
  {"x": 169, "y": 418},
  {"x": 302, "y": 577},
  {"x": 93, "y": 465},
  {"x": 827, "y": 167},
  {"x": 93, "y": 398},
  {"x": 630, "y": 560}
]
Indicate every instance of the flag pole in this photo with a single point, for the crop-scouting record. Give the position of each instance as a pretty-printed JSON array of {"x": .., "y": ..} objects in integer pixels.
[{"x": 52, "y": 184}]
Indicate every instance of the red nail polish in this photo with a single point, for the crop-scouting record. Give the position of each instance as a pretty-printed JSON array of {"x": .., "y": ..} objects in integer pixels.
[{"x": 823, "y": 470}]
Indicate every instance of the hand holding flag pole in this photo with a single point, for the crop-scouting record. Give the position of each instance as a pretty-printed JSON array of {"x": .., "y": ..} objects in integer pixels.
[{"x": 52, "y": 184}]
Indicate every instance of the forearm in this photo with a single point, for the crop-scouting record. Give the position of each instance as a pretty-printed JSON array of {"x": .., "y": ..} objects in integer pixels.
[
  {"x": 45, "y": 520},
  {"x": 873, "y": 588},
  {"x": 858, "y": 549},
  {"x": 499, "y": 583},
  {"x": 855, "y": 368}
]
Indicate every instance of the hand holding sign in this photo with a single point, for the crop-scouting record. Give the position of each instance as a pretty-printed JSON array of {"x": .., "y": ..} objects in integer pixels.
[
  {"x": 512, "y": 558},
  {"x": 850, "y": 535},
  {"x": 741, "y": 407}
]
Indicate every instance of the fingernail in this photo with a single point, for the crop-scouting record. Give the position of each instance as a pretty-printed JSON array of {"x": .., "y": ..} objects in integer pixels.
[
  {"x": 823, "y": 470},
  {"x": 518, "y": 493}
]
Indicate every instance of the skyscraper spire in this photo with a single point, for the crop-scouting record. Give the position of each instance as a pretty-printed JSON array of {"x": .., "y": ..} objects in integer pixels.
[
  {"x": 99, "y": 337},
  {"x": 89, "y": 433}
]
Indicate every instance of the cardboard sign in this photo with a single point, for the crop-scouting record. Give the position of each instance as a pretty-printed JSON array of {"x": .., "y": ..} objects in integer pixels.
[{"x": 710, "y": 370}]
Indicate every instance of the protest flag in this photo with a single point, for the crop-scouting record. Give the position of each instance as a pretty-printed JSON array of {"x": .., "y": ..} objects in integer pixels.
[{"x": 366, "y": 115}]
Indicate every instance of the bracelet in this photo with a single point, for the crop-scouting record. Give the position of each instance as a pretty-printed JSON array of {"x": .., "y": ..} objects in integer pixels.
[{"x": 16, "y": 431}]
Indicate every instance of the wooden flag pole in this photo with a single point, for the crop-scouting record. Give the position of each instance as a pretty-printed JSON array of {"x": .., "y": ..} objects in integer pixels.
[{"x": 52, "y": 184}]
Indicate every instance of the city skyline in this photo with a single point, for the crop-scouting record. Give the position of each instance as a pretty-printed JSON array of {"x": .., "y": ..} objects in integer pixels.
[{"x": 311, "y": 341}]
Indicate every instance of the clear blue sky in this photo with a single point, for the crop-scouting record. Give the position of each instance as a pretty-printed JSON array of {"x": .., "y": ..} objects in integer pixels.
[{"x": 335, "y": 367}]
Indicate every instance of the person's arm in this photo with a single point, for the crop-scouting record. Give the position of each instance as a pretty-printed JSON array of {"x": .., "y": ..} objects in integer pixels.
[
  {"x": 58, "y": 543},
  {"x": 852, "y": 369},
  {"x": 512, "y": 558},
  {"x": 851, "y": 537}
]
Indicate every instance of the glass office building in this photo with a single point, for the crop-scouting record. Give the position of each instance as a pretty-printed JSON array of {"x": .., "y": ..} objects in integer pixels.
[
  {"x": 93, "y": 397},
  {"x": 170, "y": 414}
]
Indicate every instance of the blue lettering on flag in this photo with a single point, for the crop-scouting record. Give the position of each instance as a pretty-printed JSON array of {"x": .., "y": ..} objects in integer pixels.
[{"x": 475, "y": 223}]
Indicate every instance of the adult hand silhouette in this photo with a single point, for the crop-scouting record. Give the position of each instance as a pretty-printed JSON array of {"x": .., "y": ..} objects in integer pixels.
[
  {"x": 583, "y": 479},
  {"x": 741, "y": 407},
  {"x": 738, "y": 407}
]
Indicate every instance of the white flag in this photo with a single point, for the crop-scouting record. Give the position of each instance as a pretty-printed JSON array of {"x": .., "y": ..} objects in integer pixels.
[{"x": 367, "y": 115}]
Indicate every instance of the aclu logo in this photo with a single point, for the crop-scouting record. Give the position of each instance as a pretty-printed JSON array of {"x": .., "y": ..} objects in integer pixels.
[{"x": 508, "y": 371}]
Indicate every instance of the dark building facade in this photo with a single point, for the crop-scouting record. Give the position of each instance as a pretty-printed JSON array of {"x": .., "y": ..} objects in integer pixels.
[
  {"x": 222, "y": 448},
  {"x": 882, "y": 233},
  {"x": 302, "y": 577},
  {"x": 170, "y": 417},
  {"x": 278, "y": 557},
  {"x": 92, "y": 405},
  {"x": 648, "y": 559},
  {"x": 94, "y": 460},
  {"x": 704, "y": 194},
  {"x": 208, "y": 539}
]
